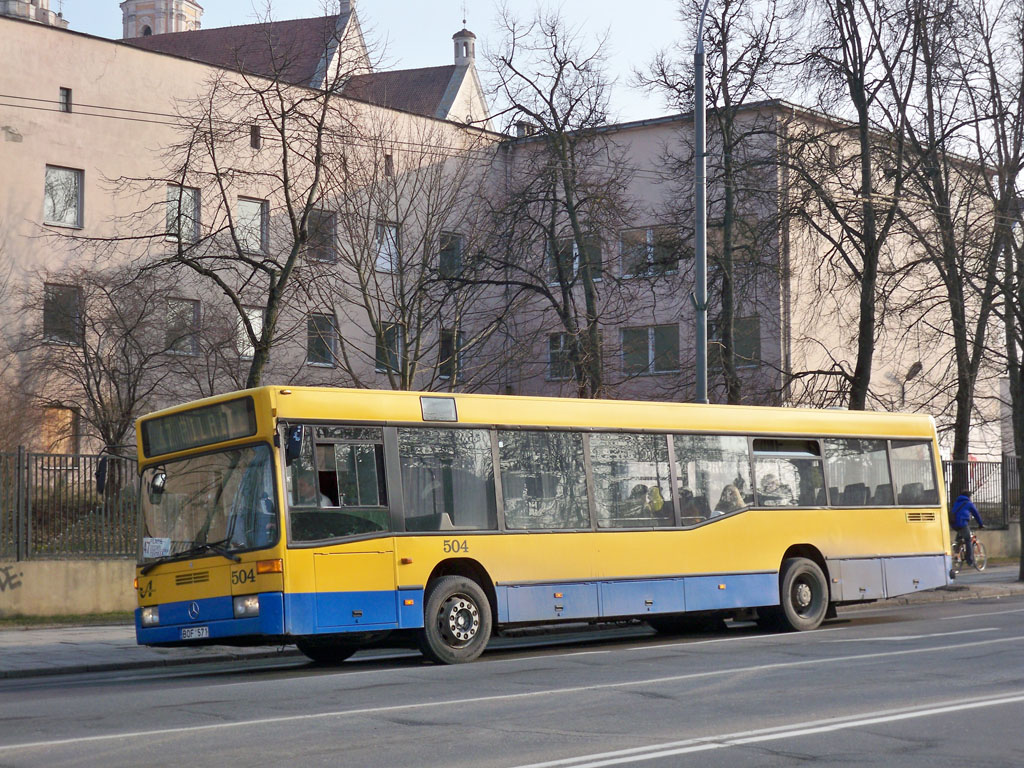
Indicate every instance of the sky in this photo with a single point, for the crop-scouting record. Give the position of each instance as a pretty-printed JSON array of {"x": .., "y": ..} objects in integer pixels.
[{"x": 417, "y": 33}]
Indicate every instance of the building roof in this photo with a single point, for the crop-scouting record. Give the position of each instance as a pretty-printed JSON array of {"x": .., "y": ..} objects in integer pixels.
[
  {"x": 420, "y": 91},
  {"x": 292, "y": 50}
]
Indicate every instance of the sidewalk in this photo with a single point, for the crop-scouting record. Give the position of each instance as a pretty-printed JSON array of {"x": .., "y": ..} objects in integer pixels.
[{"x": 75, "y": 650}]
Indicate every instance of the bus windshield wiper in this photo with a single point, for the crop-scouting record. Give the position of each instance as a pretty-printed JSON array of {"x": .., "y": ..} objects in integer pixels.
[{"x": 217, "y": 547}]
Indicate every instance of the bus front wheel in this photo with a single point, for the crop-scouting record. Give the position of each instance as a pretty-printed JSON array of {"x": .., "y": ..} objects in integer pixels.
[
  {"x": 325, "y": 651},
  {"x": 456, "y": 621},
  {"x": 804, "y": 594}
]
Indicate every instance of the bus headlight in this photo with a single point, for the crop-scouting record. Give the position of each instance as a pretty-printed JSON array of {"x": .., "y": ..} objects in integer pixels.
[
  {"x": 247, "y": 605},
  {"x": 151, "y": 616}
]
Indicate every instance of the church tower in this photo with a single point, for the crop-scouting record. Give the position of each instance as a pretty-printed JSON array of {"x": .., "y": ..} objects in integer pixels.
[
  {"x": 143, "y": 18},
  {"x": 33, "y": 10}
]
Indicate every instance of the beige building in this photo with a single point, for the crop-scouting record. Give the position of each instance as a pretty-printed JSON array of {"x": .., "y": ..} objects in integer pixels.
[
  {"x": 33, "y": 10},
  {"x": 91, "y": 143}
]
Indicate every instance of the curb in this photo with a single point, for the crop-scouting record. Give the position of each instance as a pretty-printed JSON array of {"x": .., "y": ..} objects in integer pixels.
[{"x": 80, "y": 669}]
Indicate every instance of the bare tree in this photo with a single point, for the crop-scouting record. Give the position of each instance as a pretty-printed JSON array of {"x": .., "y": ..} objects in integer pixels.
[
  {"x": 20, "y": 419},
  {"x": 991, "y": 57},
  {"x": 847, "y": 175},
  {"x": 404, "y": 193},
  {"x": 98, "y": 338},
  {"x": 253, "y": 156},
  {"x": 947, "y": 206},
  {"x": 747, "y": 52},
  {"x": 563, "y": 192}
]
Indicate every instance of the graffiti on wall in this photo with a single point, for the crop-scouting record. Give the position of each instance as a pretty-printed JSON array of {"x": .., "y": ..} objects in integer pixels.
[{"x": 9, "y": 580}]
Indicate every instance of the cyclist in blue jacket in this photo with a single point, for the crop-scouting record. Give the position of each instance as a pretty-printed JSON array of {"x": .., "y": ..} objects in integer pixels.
[{"x": 963, "y": 511}]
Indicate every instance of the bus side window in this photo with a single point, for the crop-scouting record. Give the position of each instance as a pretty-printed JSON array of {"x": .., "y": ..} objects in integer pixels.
[
  {"x": 858, "y": 472},
  {"x": 302, "y": 475},
  {"x": 913, "y": 472},
  {"x": 447, "y": 479},
  {"x": 714, "y": 476}
]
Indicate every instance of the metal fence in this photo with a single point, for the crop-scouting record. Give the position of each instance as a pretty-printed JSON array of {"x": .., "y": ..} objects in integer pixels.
[
  {"x": 996, "y": 487},
  {"x": 50, "y": 509}
]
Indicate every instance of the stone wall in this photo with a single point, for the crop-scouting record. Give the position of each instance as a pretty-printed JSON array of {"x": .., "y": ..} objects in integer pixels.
[{"x": 63, "y": 587}]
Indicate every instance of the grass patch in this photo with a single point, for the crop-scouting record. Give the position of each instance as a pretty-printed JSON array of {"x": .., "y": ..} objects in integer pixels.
[{"x": 69, "y": 620}]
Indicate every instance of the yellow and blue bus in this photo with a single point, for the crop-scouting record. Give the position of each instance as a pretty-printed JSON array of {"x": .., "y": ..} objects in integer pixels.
[{"x": 336, "y": 518}]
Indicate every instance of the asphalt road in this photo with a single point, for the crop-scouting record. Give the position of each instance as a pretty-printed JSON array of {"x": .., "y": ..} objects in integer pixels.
[{"x": 919, "y": 685}]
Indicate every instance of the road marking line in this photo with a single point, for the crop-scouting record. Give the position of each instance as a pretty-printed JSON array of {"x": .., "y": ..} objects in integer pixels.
[
  {"x": 706, "y": 743},
  {"x": 913, "y": 637},
  {"x": 976, "y": 615},
  {"x": 263, "y": 721}
]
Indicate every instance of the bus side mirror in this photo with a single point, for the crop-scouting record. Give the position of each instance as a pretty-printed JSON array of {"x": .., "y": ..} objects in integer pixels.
[
  {"x": 101, "y": 475},
  {"x": 293, "y": 445},
  {"x": 156, "y": 485}
]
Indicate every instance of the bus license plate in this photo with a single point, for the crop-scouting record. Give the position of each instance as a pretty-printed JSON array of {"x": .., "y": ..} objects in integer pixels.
[{"x": 194, "y": 633}]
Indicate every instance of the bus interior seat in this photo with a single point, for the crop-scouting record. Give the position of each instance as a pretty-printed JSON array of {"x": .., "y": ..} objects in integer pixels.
[
  {"x": 809, "y": 497},
  {"x": 512, "y": 485},
  {"x": 833, "y": 493},
  {"x": 440, "y": 521},
  {"x": 819, "y": 499},
  {"x": 912, "y": 493},
  {"x": 883, "y": 495},
  {"x": 703, "y": 508},
  {"x": 855, "y": 495},
  {"x": 931, "y": 496},
  {"x": 473, "y": 501}
]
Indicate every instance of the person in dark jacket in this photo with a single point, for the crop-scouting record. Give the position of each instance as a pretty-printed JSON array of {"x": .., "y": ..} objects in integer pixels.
[{"x": 963, "y": 511}]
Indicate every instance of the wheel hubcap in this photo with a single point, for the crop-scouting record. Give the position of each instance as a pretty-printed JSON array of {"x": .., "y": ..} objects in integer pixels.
[
  {"x": 459, "y": 620},
  {"x": 802, "y": 596}
]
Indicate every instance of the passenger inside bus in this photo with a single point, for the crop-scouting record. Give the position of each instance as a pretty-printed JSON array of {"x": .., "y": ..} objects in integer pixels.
[{"x": 730, "y": 501}]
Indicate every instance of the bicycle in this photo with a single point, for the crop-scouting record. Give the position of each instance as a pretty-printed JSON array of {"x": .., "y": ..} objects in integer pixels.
[{"x": 960, "y": 555}]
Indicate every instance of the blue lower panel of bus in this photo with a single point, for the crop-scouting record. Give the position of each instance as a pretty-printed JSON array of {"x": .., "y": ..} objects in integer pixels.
[
  {"x": 331, "y": 612},
  {"x": 196, "y": 620},
  {"x": 607, "y": 599}
]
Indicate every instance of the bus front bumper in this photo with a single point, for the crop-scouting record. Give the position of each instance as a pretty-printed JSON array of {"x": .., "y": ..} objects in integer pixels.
[{"x": 213, "y": 621}]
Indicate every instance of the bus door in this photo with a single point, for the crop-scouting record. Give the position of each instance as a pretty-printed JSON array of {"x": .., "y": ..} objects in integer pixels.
[{"x": 337, "y": 491}]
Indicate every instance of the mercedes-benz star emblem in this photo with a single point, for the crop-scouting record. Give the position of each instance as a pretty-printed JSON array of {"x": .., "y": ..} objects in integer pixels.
[{"x": 193, "y": 611}]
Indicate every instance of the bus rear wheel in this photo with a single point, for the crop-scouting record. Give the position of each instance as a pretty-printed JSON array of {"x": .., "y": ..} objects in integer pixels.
[
  {"x": 456, "y": 621},
  {"x": 325, "y": 651},
  {"x": 803, "y": 591}
]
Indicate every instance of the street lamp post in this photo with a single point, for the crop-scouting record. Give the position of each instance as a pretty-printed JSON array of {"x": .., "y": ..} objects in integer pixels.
[{"x": 700, "y": 294}]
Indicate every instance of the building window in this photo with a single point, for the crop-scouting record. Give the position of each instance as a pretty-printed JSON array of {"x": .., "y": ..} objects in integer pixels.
[
  {"x": 255, "y": 137},
  {"x": 243, "y": 343},
  {"x": 62, "y": 313},
  {"x": 251, "y": 225},
  {"x": 321, "y": 229},
  {"x": 450, "y": 354},
  {"x": 321, "y": 340},
  {"x": 60, "y": 430},
  {"x": 559, "y": 360},
  {"x": 182, "y": 213},
  {"x": 654, "y": 349},
  {"x": 387, "y": 247},
  {"x": 450, "y": 257},
  {"x": 648, "y": 252},
  {"x": 563, "y": 264},
  {"x": 65, "y": 100},
  {"x": 390, "y": 349},
  {"x": 746, "y": 334},
  {"x": 182, "y": 326},
  {"x": 389, "y": 165},
  {"x": 746, "y": 243},
  {"x": 62, "y": 201}
]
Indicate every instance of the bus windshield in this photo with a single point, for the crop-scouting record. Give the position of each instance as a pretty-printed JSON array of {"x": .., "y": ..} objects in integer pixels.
[{"x": 224, "y": 499}]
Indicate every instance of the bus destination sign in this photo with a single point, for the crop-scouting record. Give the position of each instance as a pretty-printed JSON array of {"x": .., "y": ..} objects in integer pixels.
[{"x": 210, "y": 424}]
